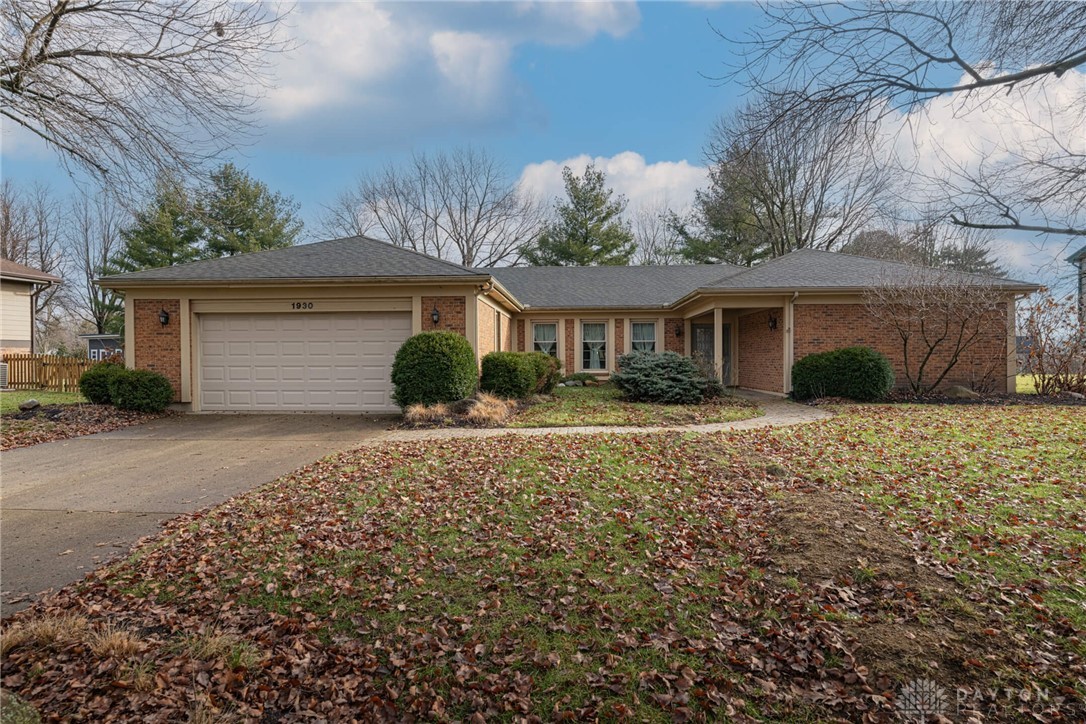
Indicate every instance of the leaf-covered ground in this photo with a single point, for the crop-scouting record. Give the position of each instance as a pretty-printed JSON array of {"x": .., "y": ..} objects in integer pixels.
[
  {"x": 62, "y": 421},
  {"x": 603, "y": 405},
  {"x": 799, "y": 574}
]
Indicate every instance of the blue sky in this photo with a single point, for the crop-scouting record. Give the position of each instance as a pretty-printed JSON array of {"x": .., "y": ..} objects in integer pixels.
[
  {"x": 549, "y": 82},
  {"x": 538, "y": 84}
]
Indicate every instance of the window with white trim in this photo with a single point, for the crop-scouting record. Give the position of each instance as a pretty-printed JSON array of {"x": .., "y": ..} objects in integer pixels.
[
  {"x": 594, "y": 345},
  {"x": 643, "y": 336},
  {"x": 545, "y": 338}
]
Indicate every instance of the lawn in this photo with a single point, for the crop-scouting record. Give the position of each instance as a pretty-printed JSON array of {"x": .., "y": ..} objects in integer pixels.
[
  {"x": 11, "y": 399},
  {"x": 603, "y": 405},
  {"x": 796, "y": 574}
]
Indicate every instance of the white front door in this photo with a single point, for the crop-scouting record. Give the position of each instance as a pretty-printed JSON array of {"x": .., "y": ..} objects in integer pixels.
[{"x": 337, "y": 362}]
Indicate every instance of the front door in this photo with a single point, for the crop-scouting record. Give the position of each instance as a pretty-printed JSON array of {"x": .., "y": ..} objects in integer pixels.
[{"x": 703, "y": 344}]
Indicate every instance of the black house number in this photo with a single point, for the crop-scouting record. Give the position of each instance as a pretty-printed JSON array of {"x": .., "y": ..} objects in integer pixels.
[{"x": 301, "y": 305}]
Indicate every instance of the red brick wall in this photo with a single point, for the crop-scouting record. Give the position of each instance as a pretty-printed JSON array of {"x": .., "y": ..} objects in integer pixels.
[
  {"x": 761, "y": 351},
  {"x": 521, "y": 324},
  {"x": 452, "y": 311},
  {"x": 486, "y": 328},
  {"x": 158, "y": 348},
  {"x": 674, "y": 342},
  {"x": 620, "y": 338},
  {"x": 570, "y": 351},
  {"x": 824, "y": 327}
]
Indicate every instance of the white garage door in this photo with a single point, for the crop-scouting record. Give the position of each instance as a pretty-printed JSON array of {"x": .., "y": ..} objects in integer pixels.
[{"x": 289, "y": 362}]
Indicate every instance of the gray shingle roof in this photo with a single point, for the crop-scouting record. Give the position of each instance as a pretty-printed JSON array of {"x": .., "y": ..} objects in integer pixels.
[
  {"x": 607, "y": 286},
  {"x": 347, "y": 258},
  {"x": 813, "y": 269}
]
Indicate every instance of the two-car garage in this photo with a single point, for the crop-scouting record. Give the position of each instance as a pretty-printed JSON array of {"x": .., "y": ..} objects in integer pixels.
[{"x": 318, "y": 362}]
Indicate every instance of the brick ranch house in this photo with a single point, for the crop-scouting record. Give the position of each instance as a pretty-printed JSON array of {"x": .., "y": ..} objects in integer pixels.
[{"x": 316, "y": 327}]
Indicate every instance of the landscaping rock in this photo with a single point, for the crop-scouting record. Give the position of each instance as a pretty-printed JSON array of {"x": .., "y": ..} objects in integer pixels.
[
  {"x": 574, "y": 383},
  {"x": 29, "y": 405},
  {"x": 1074, "y": 395},
  {"x": 957, "y": 392}
]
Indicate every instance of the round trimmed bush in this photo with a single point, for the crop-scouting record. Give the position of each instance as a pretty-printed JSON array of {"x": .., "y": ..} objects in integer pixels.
[
  {"x": 858, "y": 373},
  {"x": 434, "y": 367},
  {"x": 141, "y": 390},
  {"x": 508, "y": 374},
  {"x": 94, "y": 383},
  {"x": 548, "y": 371},
  {"x": 667, "y": 377}
]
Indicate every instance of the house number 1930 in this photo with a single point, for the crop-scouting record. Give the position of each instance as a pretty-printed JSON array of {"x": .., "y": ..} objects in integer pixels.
[{"x": 301, "y": 305}]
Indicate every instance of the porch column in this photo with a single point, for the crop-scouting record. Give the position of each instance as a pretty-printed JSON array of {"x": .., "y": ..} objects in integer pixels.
[{"x": 718, "y": 343}]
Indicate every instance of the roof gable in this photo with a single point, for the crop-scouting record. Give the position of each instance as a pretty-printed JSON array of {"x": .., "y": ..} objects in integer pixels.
[{"x": 352, "y": 257}]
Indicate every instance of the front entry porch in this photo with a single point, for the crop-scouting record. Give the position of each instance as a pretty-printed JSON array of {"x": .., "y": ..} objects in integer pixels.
[{"x": 744, "y": 347}]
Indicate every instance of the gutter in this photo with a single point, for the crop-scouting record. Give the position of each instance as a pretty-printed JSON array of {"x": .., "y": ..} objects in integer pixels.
[{"x": 121, "y": 283}]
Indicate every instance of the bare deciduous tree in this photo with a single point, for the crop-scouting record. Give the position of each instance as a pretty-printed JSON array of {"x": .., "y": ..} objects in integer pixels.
[
  {"x": 126, "y": 88},
  {"x": 1056, "y": 339},
  {"x": 937, "y": 317},
  {"x": 807, "y": 180},
  {"x": 656, "y": 238},
  {"x": 31, "y": 223},
  {"x": 867, "y": 60},
  {"x": 93, "y": 237},
  {"x": 461, "y": 206}
]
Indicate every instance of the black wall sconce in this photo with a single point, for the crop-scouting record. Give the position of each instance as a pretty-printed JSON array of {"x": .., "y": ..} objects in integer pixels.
[
  {"x": 163, "y": 317},
  {"x": 679, "y": 331},
  {"x": 436, "y": 316},
  {"x": 772, "y": 321}
]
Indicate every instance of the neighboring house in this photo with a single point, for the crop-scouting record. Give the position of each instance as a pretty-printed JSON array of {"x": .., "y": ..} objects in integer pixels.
[
  {"x": 1079, "y": 260},
  {"x": 102, "y": 346},
  {"x": 316, "y": 327},
  {"x": 19, "y": 289}
]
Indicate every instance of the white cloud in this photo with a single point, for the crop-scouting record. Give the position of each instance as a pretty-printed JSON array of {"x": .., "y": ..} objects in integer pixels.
[
  {"x": 643, "y": 184},
  {"x": 389, "y": 69}
]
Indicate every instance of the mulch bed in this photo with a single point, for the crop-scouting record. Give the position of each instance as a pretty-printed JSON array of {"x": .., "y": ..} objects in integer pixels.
[{"x": 60, "y": 422}]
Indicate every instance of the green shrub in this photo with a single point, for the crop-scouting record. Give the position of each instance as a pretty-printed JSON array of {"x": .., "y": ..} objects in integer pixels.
[
  {"x": 580, "y": 377},
  {"x": 508, "y": 374},
  {"x": 94, "y": 383},
  {"x": 858, "y": 373},
  {"x": 668, "y": 377},
  {"x": 434, "y": 367},
  {"x": 141, "y": 390},
  {"x": 548, "y": 372}
]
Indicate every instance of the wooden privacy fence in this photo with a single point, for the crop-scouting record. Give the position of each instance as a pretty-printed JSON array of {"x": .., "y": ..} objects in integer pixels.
[{"x": 45, "y": 372}]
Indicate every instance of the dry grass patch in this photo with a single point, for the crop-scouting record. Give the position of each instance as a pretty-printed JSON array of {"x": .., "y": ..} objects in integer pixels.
[
  {"x": 420, "y": 414},
  {"x": 44, "y": 631},
  {"x": 490, "y": 411},
  {"x": 211, "y": 645},
  {"x": 110, "y": 641}
]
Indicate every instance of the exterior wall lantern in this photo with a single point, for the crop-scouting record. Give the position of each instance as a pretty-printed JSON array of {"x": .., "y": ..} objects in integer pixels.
[
  {"x": 435, "y": 316},
  {"x": 679, "y": 331},
  {"x": 163, "y": 317},
  {"x": 772, "y": 321}
]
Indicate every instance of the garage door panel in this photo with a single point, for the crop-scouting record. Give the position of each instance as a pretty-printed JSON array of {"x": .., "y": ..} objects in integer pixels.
[{"x": 320, "y": 362}]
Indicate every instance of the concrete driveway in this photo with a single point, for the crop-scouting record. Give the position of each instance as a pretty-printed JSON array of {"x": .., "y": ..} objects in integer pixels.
[{"x": 67, "y": 506}]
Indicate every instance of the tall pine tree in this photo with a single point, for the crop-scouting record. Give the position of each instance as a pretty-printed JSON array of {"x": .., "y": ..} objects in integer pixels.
[
  {"x": 588, "y": 229},
  {"x": 242, "y": 214},
  {"x": 165, "y": 232}
]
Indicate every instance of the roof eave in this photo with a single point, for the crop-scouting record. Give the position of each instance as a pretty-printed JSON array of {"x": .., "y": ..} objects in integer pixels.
[
  {"x": 31, "y": 279},
  {"x": 122, "y": 283}
]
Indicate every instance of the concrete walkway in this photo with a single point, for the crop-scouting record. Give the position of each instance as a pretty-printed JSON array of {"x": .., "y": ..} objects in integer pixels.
[
  {"x": 778, "y": 413},
  {"x": 68, "y": 506}
]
